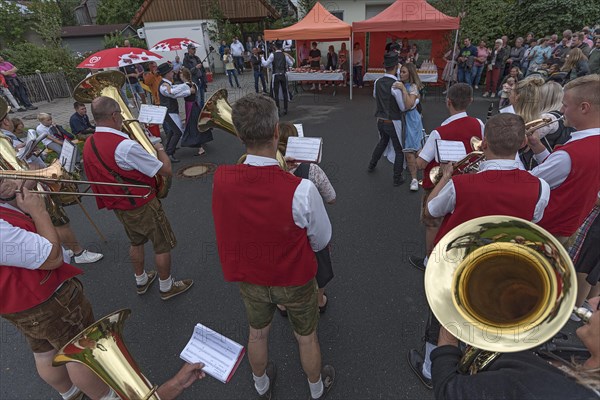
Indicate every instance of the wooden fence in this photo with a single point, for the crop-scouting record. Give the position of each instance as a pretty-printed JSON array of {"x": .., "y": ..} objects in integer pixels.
[{"x": 46, "y": 86}]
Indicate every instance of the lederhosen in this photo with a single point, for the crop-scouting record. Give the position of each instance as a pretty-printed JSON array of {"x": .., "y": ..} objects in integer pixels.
[{"x": 324, "y": 267}]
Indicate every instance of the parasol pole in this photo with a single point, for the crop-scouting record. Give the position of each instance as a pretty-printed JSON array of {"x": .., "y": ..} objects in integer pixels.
[{"x": 351, "y": 64}]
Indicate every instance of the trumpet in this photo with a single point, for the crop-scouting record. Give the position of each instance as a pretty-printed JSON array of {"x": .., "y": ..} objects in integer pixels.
[
  {"x": 469, "y": 164},
  {"x": 54, "y": 178},
  {"x": 536, "y": 124}
]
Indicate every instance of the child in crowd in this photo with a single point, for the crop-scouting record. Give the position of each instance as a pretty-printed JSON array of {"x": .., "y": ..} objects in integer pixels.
[{"x": 508, "y": 86}]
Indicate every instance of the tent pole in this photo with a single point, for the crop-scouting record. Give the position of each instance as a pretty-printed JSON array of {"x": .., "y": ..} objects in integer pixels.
[
  {"x": 453, "y": 52},
  {"x": 351, "y": 66}
]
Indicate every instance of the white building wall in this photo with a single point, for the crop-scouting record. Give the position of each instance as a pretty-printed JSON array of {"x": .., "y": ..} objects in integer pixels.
[{"x": 195, "y": 30}]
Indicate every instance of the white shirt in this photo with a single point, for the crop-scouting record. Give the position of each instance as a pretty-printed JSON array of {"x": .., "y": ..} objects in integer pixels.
[
  {"x": 177, "y": 91},
  {"x": 40, "y": 130},
  {"x": 445, "y": 202},
  {"x": 555, "y": 168},
  {"x": 397, "y": 93},
  {"x": 21, "y": 248},
  {"x": 237, "y": 48},
  {"x": 130, "y": 155},
  {"x": 308, "y": 210},
  {"x": 428, "y": 153},
  {"x": 287, "y": 45},
  {"x": 508, "y": 110},
  {"x": 357, "y": 57},
  {"x": 269, "y": 61}
]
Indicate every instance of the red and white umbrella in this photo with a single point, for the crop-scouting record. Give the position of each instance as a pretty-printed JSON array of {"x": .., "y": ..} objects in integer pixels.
[
  {"x": 118, "y": 57},
  {"x": 173, "y": 44}
]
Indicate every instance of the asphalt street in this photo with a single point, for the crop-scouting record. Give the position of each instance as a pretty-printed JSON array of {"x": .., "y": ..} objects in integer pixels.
[{"x": 377, "y": 304}]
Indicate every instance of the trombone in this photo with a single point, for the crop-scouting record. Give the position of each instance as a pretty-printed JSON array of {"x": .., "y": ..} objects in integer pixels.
[{"x": 53, "y": 177}]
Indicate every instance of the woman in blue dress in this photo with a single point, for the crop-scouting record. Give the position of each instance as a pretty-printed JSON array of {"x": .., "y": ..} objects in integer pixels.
[{"x": 410, "y": 85}]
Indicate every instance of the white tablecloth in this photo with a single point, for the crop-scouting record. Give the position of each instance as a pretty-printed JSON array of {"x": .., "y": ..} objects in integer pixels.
[
  {"x": 372, "y": 76},
  {"x": 315, "y": 76}
]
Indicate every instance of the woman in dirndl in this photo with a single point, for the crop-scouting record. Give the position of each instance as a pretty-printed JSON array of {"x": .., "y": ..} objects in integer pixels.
[{"x": 192, "y": 137}]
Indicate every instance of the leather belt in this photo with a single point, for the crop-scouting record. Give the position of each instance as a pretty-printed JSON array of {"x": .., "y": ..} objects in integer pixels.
[{"x": 385, "y": 121}]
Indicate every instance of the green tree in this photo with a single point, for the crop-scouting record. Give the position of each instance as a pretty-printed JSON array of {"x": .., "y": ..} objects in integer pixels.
[
  {"x": 281, "y": 6},
  {"x": 116, "y": 39},
  {"x": 221, "y": 28},
  {"x": 67, "y": 11},
  {"x": 12, "y": 23},
  {"x": 304, "y": 6},
  {"x": 46, "y": 20},
  {"x": 117, "y": 11}
]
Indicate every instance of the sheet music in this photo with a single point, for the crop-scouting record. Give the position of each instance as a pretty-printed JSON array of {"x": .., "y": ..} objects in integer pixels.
[
  {"x": 150, "y": 114},
  {"x": 299, "y": 129},
  {"x": 68, "y": 156},
  {"x": 450, "y": 150},
  {"x": 305, "y": 149},
  {"x": 218, "y": 353}
]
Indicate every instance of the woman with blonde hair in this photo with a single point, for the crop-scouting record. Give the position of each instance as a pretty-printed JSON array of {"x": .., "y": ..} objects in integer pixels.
[{"x": 576, "y": 65}]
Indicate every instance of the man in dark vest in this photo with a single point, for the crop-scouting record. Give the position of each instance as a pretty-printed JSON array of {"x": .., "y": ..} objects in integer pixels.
[
  {"x": 280, "y": 65},
  {"x": 168, "y": 95},
  {"x": 192, "y": 62},
  {"x": 390, "y": 108}
]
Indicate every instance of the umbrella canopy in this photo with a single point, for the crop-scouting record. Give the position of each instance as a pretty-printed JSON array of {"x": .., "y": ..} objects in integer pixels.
[
  {"x": 173, "y": 44},
  {"x": 118, "y": 57}
]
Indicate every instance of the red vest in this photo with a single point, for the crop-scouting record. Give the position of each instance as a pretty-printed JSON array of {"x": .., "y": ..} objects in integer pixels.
[
  {"x": 462, "y": 129},
  {"x": 512, "y": 192},
  {"x": 571, "y": 202},
  {"x": 22, "y": 288},
  {"x": 257, "y": 238},
  {"x": 106, "y": 144}
]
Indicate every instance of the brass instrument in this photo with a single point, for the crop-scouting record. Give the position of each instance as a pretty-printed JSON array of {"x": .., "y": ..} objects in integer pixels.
[
  {"x": 101, "y": 348},
  {"x": 536, "y": 124},
  {"x": 216, "y": 113},
  {"x": 108, "y": 83},
  {"x": 55, "y": 177},
  {"x": 500, "y": 284},
  {"x": 4, "y": 108},
  {"x": 469, "y": 164}
]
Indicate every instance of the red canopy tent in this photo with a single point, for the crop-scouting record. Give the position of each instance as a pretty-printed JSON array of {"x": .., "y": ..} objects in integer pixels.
[
  {"x": 319, "y": 24},
  {"x": 410, "y": 19}
]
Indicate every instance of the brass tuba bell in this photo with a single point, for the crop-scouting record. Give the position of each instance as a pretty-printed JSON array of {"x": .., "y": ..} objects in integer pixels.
[
  {"x": 500, "y": 284},
  {"x": 101, "y": 348},
  {"x": 216, "y": 113}
]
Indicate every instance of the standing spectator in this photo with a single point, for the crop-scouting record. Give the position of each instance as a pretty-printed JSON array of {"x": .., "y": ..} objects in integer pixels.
[
  {"x": 260, "y": 43},
  {"x": 568, "y": 34},
  {"x": 152, "y": 79},
  {"x": 332, "y": 61},
  {"x": 495, "y": 64},
  {"x": 576, "y": 65},
  {"x": 237, "y": 51},
  {"x": 177, "y": 65},
  {"x": 525, "y": 62},
  {"x": 580, "y": 44},
  {"x": 466, "y": 58},
  {"x": 587, "y": 38},
  {"x": 193, "y": 63},
  {"x": 594, "y": 58},
  {"x": 553, "y": 42},
  {"x": 357, "y": 65},
  {"x": 230, "y": 67},
  {"x": 222, "y": 48},
  {"x": 314, "y": 58},
  {"x": 413, "y": 54},
  {"x": 303, "y": 54},
  {"x": 255, "y": 62},
  {"x": 482, "y": 54},
  {"x": 249, "y": 45},
  {"x": 133, "y": 83},
  {"x": 516, "y": 55},
  {"x": 293, "y": 217},
  {"x": 560, "y": 51},
  {"x": 80, "y": 122},
  {"x": 287, "y": 45},
  {"x": 6, "y": 92},
  {"x": 538, "y": 56},
  {"x": 15, "y": 85},
  {"x": 343, "y": 61},
  {"x": 449, "y": 75},
  {"x": 505, "y": 54},
  {"x": 528, "y": 39}
]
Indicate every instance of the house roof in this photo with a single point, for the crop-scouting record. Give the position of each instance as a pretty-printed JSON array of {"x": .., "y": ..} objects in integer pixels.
[
  {"x": 318, "y": 24},
  {"x": 91, "y": 30},
  {"x": 181, "y": 10}
]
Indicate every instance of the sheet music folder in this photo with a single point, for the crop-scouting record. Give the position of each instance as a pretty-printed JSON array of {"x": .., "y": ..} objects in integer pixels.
[
  {"x": 305, "y": 149},
  {"x": 449, "y": 150},
  {"x": 220, "y": 355}
]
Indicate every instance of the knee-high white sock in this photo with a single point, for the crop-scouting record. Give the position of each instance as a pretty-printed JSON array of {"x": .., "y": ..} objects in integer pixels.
[
  {"x": 316, "y": 389},
  {"x": 261, "y": 383}
]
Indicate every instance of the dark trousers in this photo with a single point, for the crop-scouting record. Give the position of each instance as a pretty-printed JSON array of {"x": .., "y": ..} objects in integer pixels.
[
  {"x": 259, "y": 74},
  {"x": 387, "y": 132},
  {"x": 230, "y": 73},
  {"x": 280, "y": 80},
  {"x": 358, "y": 75},
  {"x": 239, "y": 63},
  {"x": 20, "y": 92},
  {"x": 173, "y": 135}
]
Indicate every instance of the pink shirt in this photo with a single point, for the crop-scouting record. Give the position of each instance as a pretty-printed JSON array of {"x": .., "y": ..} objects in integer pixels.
[
  {"x": 481, "y": 52},
  {"x": 6, "y": 66}
]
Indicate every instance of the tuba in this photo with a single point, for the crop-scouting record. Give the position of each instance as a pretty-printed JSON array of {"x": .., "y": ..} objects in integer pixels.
[
  {"x": 499, "y": 284},
  {"x": 469, "y": 164},
  {"x": 216, "y": 113},
  {"x": 101, "y": 348},
  {"x": 108, "y": 83}
]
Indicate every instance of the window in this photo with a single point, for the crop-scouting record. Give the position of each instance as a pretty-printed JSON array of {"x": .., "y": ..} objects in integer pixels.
[{"x": 338, "y": 14}]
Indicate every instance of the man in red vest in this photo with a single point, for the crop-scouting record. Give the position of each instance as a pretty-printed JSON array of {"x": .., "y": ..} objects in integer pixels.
[
  {"x": 573, "y": 169},
  {"x": 267, "y": 242},
  {"x": 499, "y": 188},
  {"x": 458, "y": 127},
  {"x": 39, "y": 291},
  {"x": 110, "y": 156}
]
